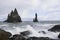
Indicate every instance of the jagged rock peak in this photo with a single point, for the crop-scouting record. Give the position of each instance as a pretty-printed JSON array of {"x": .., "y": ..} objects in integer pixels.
[
  {"x": 13, "y": 17},
  {"x": 15, "y": 11},
  {"x": 35, "y": 19}
]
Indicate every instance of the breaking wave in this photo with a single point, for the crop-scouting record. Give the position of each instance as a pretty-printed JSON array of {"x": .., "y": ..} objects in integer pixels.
[{"x": 37, "y": 30}]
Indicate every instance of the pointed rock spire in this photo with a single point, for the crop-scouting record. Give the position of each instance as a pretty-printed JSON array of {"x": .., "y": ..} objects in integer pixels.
[
  {"x": 15, "y": 11},
  {"x": 35, "y": 19},
  {"x": 11, "y": 13},
  {"x": 13, "y": 17}
]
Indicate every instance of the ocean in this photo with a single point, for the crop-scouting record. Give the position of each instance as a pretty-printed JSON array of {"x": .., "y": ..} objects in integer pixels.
[{"x": 38, "y": 29}]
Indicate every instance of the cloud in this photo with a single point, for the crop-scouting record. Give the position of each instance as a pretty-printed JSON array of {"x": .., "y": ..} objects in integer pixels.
[{"x": 46, "y": 9}]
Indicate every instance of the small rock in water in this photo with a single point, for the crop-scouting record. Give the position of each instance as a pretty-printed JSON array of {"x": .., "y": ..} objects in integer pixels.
[
  {"x": 35, "y": 20},
  {"x": 25, "y": 33},
  {"x": 42, "y": 32}
]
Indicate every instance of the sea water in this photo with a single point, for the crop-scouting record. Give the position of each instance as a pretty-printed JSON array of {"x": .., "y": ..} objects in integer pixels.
[{"x": 36, "y": 29}]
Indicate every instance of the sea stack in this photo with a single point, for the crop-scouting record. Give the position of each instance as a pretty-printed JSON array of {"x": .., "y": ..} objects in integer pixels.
[
  {"x": 35, "y": 19},
  {"x": 13, "y": 17}
]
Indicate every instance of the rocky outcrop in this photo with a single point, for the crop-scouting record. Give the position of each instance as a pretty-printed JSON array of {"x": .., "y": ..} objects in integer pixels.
[
  {"x": 35, "y": 19},
  {"x": 17, "y": 37},
  {"x": 59, "y": 36},
  {"x": 4, "y": 35},
  {"x": 13, "y": 17},
  {"x": 56, "y": 28},
  {"x": 25, "y": 33},
  {"x": 42, "y": 32},
  {"x": 21, "y": 37},
  {"x": 39, "y": 38}
]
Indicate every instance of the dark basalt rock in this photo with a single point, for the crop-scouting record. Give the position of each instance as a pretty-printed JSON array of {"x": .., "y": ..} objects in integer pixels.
[
  {"x": 17, "y": 37},
  {"x": 35, "y": 19},
  {"x": 13, "y": 17},
  {"x": 42, "y": 32},
  {"x": 59, "y": 36},
  {"x": 37, "y": 38},
  {"x": 25, "y": 33},
  {"x": 21, "y": 37},
  {"x": 56, "y": 28},
  {"x": 4, "y": 35}
]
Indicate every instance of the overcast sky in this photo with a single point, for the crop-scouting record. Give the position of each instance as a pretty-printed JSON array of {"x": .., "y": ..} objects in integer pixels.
[{"x": 46, "y": 9}]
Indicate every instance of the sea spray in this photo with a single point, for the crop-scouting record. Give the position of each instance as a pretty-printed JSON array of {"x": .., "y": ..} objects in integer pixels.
[{"x": 34, "y": 29}]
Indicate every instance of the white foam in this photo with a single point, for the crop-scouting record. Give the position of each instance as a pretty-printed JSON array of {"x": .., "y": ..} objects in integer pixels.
[
  {"x": 33, "y": 31},
  {"x": 48, "y": 33},
  {"x": 17, "y": 30}
]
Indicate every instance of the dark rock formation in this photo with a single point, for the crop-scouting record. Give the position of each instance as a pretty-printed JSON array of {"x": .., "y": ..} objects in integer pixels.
[
  {"x": 25, "y": 33},
  {"x": 42, "y": 32},
  {"x": 21, "y": 37},
  {"x": 56, "y": 28},
  {"x": 35, "y": 19},
  {"x": 13, "y": 17},
  {"x": 4, "y": 35},
  {"x": 39, "y": 38},
  {"x": 17, "y": 37},
  {"x": 59, "y": 36}
]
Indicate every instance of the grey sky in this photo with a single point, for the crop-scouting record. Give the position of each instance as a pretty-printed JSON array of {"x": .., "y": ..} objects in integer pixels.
[{"x": 46, "y": 9}]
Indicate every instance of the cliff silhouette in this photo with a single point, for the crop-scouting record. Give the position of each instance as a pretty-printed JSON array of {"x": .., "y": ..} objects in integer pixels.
[{"x": 13, "y": 17}]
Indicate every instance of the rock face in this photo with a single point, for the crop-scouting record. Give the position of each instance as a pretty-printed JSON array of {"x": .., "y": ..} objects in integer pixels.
[
  {"x": 4, "y": 35},
  {"x": 56, "y": 28},
  {"x": 35, "y": 19},
  {"x": 13, "y": 17}
]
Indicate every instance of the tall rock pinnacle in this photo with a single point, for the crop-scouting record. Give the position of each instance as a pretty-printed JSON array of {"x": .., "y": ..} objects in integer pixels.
[
  {"x": 35, "y": 19},
  {"x": 13, "y": 17}
]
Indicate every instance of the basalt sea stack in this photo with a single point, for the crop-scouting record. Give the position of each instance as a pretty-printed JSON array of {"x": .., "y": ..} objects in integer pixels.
[
  {"x": 13, "y": 17},
  {"x": 35, "y": 19}
]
